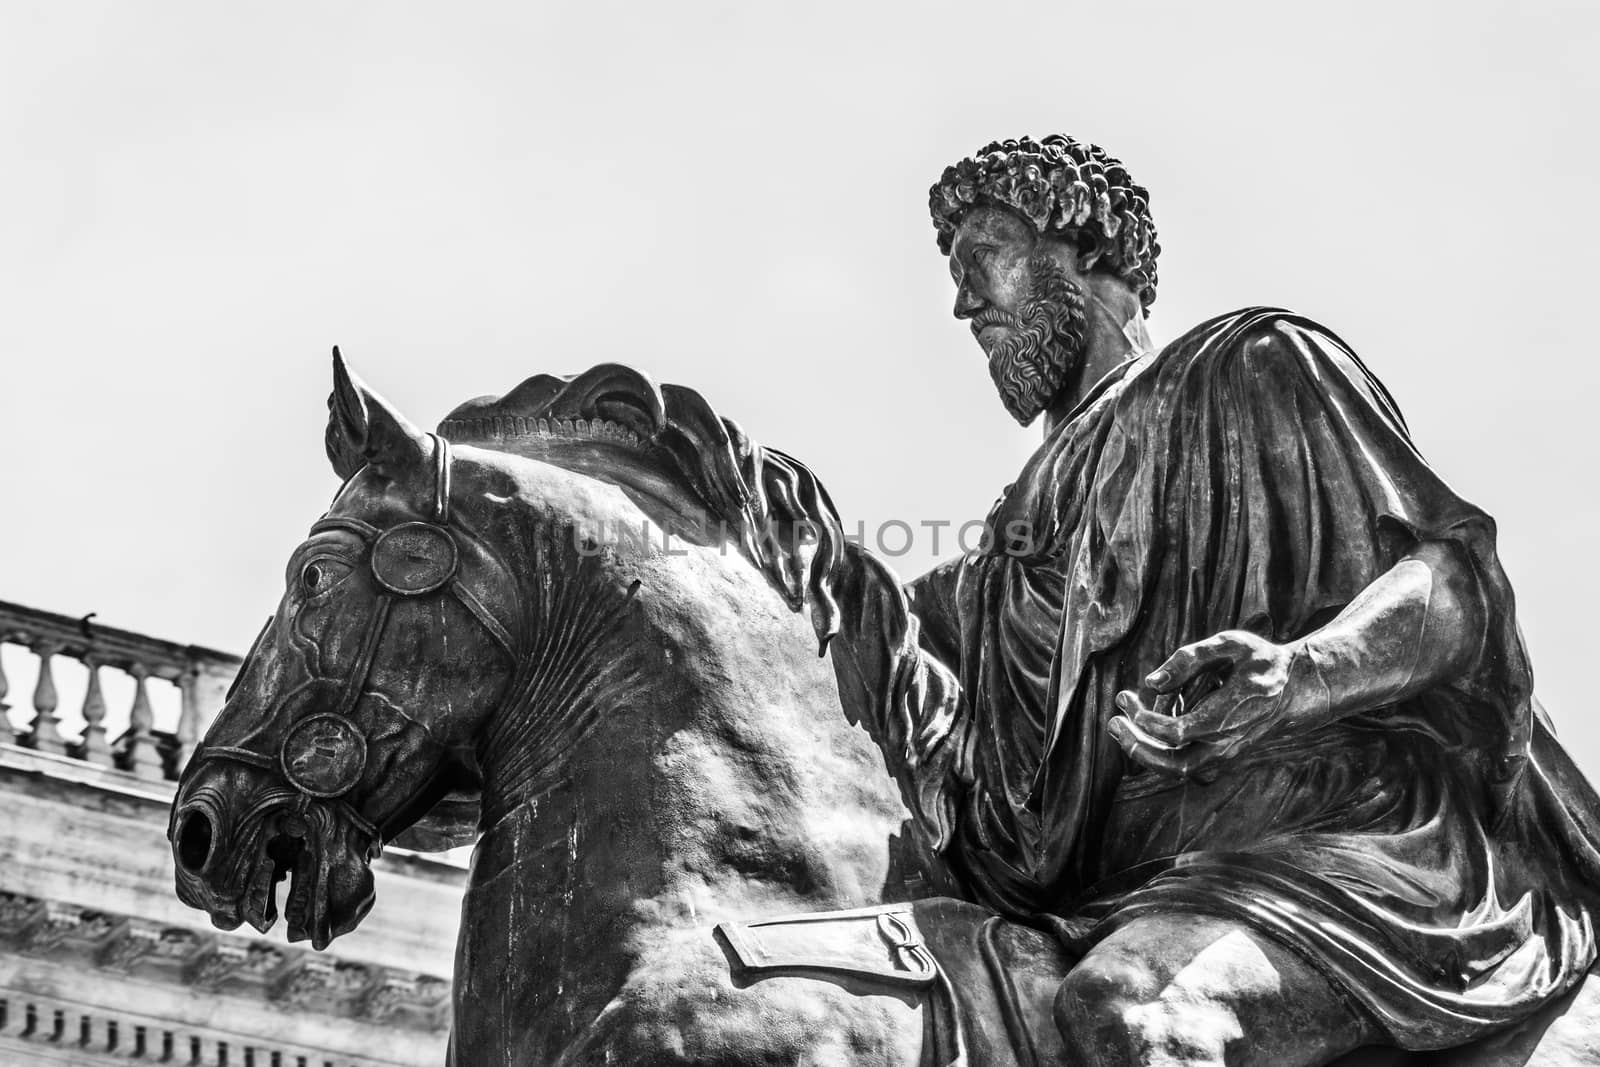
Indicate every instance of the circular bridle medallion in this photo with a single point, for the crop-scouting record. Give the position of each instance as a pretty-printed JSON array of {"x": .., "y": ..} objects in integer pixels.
[
  {"x": 414, "y": 558},
  {"x": 323, "y": 755}
]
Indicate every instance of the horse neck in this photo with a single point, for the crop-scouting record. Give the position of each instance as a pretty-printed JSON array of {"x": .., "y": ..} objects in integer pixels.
[
  {"x": 717, "y": 778},
  {"x": 694, "y": 713}
]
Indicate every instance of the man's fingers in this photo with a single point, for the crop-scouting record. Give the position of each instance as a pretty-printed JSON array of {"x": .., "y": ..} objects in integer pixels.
[
  {"x": 1189, "y": 761},
  {"x": 1167, "y": 720},
  {"x": 1129, "y": 702},
  {"x": 1212, "y": 716},
  {"x": 1192, "y": 659},
  {"x": 1163, "y": 728},
  {"x": 1154, "y": 717}
]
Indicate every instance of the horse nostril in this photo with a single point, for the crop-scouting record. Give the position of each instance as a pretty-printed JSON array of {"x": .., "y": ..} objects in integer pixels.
[{"x": 194, "y": 841}]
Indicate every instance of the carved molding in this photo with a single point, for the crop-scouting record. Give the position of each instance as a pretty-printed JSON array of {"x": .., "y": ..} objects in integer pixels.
[
  {"x": 214, "y": 965},
  {"x": 58, "y": 923},
  {"x": 294, "y": 979},
  {"x": 388, "y": 998},
  {"x": 128, "y": 945},
  {"x": 39, "y": 1028},
  {"x": 17, "y": 913},
  {"x": 320, "y": 981}
]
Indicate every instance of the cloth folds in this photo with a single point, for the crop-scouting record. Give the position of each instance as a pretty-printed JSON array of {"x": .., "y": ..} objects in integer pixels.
[{"x": 1437, "y": 859}]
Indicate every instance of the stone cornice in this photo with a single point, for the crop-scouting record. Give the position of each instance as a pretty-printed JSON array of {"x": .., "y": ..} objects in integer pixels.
[
  {"x": 49, "y": 1025},
  {"x": 96, "y": 838},
  {"x": 294, "y": 979},
  {"x": 95, "y": 948}
]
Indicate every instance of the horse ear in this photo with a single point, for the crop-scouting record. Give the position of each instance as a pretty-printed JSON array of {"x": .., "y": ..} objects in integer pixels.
[{"x": 364, "y": 430}]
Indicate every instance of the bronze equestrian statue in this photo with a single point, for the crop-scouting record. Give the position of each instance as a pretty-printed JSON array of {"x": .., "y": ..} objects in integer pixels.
[{"x": 1222, "y": 748}]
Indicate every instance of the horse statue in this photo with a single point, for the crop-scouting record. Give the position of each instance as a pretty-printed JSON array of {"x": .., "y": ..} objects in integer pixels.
[
  {"x": 654, "y": 744},
  {"x": 580, "y": 624}
]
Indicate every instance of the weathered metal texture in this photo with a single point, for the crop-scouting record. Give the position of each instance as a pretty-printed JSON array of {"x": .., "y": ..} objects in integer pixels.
[{"x": 1241, "y": 719}]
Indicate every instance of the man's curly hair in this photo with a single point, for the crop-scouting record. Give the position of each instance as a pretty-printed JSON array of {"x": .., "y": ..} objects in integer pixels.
[{"x": 1064, "y": 187}]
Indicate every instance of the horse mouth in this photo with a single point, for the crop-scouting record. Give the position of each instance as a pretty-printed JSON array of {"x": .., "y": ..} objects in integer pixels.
[
  {"x": 285, "y": 857},
  {"x": 293, "y": 849}
]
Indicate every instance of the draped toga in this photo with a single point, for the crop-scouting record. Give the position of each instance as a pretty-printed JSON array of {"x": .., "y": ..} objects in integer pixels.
[{"x": 1437, "y": 859}]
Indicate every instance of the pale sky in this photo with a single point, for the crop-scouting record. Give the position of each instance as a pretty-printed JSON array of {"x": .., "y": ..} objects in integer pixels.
[{"x": 200, "y": 198}]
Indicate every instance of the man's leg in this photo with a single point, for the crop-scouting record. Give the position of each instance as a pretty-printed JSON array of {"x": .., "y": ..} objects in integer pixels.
[{"x": 1185, "y": 990}]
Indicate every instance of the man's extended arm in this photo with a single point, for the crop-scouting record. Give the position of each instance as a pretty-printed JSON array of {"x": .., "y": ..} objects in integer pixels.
[{"x": 1418, "y": 626}]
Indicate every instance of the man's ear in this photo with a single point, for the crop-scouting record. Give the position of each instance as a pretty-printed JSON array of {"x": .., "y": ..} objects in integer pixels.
[{"x": 363, "y": 430}]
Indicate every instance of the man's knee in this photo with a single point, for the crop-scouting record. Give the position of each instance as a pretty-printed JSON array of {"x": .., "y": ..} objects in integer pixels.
[
  {"x": 1111, "y": 1009},
  {"x": 1096, "y": 999}
]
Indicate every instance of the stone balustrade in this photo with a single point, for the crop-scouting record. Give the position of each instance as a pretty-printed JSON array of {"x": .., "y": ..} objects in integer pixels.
[
  {"x": 99, "y": 962},
  {"x": 129, "y": 738}
]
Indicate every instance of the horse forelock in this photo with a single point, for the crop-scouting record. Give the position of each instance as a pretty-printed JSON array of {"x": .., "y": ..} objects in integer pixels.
[{"x": 774, "y": 500}]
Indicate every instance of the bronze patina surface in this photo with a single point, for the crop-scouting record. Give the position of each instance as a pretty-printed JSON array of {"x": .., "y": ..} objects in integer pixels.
[
  {"x": 1223, "y": 749},
  {"x": 1250, "y": 711}
]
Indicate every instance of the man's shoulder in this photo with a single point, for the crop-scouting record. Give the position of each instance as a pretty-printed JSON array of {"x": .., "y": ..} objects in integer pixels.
[
  {"x": 1256, "y": 346},
  {"x": 1252, "y": 333},
  {"x": 1261, "y": 356}
]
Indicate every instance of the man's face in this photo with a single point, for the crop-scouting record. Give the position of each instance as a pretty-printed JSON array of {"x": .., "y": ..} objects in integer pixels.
[{"x": 1025, "y": 308}]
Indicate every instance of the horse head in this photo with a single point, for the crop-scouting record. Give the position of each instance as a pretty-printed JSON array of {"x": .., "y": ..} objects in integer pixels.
[{"x": 357, "y": 708}]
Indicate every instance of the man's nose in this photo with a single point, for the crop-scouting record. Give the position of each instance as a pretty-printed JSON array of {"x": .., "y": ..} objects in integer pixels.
[{"x": 968, "y": 303}]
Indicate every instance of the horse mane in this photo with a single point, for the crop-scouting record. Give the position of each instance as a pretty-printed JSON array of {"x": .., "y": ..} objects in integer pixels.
[{"x": 773, "y": 500}]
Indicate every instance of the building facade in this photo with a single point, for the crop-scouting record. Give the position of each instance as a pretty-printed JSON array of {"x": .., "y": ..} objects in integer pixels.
[{"x": 99, "y": 962}]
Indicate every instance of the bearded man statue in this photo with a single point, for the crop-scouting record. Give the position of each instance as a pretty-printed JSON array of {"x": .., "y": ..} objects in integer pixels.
[{"x": 1245, "y": 719}]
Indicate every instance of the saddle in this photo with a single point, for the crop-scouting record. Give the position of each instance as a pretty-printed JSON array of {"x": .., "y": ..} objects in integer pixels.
[{"x": 988, "y": 983}]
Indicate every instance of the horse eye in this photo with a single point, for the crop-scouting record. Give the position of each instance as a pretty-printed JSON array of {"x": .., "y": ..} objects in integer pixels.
[{"x": 311, "y": 577}]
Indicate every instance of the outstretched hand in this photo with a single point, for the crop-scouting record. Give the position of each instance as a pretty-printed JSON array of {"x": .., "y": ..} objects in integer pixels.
[{"x": 1261, "y": 690}]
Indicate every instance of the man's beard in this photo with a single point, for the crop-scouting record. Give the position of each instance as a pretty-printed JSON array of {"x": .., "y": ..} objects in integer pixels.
[{"x": 1045, "y": 347}]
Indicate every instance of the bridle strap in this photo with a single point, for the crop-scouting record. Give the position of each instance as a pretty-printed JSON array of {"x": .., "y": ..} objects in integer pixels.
[
  {"x": 361, "y": 671},
  {"x": 237, "y": 754},
  {"x": 364, "y": 530},
  {"x": 356, "y": 683},
  {"x": 441, "y": 480},
  {"x": 470, "y": 601}
]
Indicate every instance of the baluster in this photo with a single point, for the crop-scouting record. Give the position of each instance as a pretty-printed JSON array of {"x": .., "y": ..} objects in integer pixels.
[
  {"x": 8, "y": 736},
  {"x": 46, "y": 735},
  {"x": 188, "y": 732},
  {"x": 95, "y": 748},
  {"x": 203, "y": 687},
  {"x": 191, "y": 716},
  {"x": 139, "y": 753}
]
